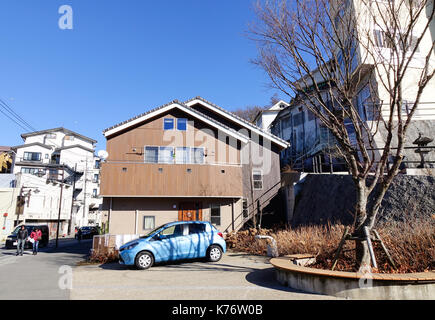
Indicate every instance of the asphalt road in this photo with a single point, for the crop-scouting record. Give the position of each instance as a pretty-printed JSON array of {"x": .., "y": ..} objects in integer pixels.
[
  {"x": 236, "y": 276},
  {"x": 37, "y": 277}
]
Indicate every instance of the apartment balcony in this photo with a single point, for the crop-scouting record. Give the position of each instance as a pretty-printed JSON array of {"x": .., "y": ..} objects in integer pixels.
[{"x": 170, "y": 180}]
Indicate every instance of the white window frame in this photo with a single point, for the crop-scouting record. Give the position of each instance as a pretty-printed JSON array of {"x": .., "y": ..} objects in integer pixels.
[
  {"x": 173, "y": 124},
  {"x": 144, "y": 153},
  {"x": 187, "y": 122},
  {"x": 189, "y": 155},
  {"x": 143, "y": 222},
  {"x": 40, "y": 156},
  {"x": 192, "y": 158},
  {"x": 173, "y": 153}
]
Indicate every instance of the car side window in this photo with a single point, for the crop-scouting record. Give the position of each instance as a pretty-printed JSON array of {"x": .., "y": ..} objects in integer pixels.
[
  {"x": 195, "y": 228},
  {"x": 173, "y": 231}
]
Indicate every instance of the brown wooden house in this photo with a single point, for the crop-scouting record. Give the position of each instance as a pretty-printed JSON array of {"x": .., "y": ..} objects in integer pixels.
[{"x": 187, "y": 161}]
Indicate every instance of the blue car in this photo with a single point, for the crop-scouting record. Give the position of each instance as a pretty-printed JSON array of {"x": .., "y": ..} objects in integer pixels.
[{"x": 174, "y": 241}]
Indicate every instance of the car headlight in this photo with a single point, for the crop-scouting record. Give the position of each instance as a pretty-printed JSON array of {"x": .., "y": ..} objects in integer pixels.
[{"x": 131, "y": 246}]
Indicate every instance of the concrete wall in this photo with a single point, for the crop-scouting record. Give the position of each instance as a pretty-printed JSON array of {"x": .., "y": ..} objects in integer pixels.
[
  {"x": 8, "y": 203},
  {"x": 352, "y": 289},
  {"x": 331, "y": 197}
]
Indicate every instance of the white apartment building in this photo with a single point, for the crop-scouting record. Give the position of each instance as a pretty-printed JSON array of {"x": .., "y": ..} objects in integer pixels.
[
  {"x": 48, "y": 160},
  {"x": 309, "y": 138},
  {"x": 374, "y": 48}
]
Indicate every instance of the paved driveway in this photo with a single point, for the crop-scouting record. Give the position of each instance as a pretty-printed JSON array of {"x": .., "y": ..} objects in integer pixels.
[{"x": 236, "y": 276}]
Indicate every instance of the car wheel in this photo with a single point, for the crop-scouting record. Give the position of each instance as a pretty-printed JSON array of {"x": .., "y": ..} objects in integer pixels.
[
  {"x": 144, "y": 260},
  {"x": 214, "y": 253}
]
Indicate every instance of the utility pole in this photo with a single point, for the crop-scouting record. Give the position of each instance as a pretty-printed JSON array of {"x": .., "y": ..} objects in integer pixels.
[
  {"x": 84, "y": 189},
  {"x": 72, "y": 200},
  {"x": 60, "y": 207}
]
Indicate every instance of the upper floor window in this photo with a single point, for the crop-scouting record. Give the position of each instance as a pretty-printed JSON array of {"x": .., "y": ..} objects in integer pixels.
[
  {"x": 95, "y": 179},
  {"x": 197, "y": 155},
  {"x": 170, "y": 155},
  {"x": 182, "y": 155},
  {"x": 257, "y": 178},
  {"x": 152, "y": 154},
  {"x": 97, "y": 164},
  {"x": 32, "y": 156},
  {"x": 30, "y": 170},
  {"x": 166, "y": 155},
  {"x": 94, "y": 193},
  {"x": 182, "y": 124},
  {"x": 387, "y": 40},
  {"x": 50, "y": 136},
  {"x": 71, "y": 138},
  {"x": 168, "y": 124}
]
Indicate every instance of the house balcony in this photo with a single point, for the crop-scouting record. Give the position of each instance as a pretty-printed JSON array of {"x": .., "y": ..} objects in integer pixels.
[{"x": 170, "y": 180}]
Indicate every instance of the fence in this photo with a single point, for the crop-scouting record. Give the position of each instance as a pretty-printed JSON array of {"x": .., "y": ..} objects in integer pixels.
[{"x": 109, "y": 243}]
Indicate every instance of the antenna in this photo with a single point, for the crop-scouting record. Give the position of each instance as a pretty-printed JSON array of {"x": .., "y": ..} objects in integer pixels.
[{"x": 103, "y": 154}]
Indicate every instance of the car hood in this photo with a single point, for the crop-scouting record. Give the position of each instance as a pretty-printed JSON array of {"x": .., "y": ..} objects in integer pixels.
[{"x": 131, "y": 242}]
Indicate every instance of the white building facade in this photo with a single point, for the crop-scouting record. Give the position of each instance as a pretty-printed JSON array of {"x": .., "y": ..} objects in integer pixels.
[{"x": 54, "y": 161}]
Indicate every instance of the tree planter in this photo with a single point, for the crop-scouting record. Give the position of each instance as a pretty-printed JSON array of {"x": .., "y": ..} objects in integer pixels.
[{"x": 355, "y": 285}]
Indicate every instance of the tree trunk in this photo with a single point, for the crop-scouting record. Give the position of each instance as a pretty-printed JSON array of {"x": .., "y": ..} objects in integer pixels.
[{"x": 362, "y": 253}]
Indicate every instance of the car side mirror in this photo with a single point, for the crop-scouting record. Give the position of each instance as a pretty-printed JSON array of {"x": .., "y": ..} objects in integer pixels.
[{"x": 157, "y": 237}]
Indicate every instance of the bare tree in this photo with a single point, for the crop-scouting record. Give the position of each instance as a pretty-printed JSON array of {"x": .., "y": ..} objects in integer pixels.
[
  {"x": 347, "y": 46},
  {"x": 248, "y": 113}
]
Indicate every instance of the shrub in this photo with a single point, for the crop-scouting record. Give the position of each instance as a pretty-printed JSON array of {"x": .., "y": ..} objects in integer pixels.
[
  {"x": 411, "y": 244},
  {"x": 103, "y": 257}
]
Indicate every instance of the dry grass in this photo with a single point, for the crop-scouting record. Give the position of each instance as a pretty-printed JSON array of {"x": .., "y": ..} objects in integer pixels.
[
  {"x": 100, "y": 257},
  {"x": 411, "y": 244}
]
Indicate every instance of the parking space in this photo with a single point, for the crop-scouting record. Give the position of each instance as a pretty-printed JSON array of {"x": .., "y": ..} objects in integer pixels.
[{"x": 236, "y": 276}]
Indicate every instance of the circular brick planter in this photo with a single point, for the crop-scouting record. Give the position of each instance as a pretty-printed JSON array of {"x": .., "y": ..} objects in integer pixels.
[{"x": 355, "y": 285}]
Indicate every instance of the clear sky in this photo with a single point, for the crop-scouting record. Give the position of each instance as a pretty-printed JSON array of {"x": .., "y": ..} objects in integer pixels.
[{"x": 122, "y": 58}]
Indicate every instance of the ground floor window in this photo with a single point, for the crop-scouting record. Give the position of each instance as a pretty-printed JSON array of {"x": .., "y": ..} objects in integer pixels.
[
  {"x": 245, "y": 208},
  {"x": 215, "y": 214},
  {"x": 148, "y": 222}
]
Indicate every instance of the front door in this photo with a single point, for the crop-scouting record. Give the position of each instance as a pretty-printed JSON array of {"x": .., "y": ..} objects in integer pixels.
[{"x": 190, "y": 211}]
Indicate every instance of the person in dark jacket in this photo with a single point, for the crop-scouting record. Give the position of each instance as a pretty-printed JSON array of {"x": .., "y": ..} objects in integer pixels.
[{"x": 22, "y": 235}]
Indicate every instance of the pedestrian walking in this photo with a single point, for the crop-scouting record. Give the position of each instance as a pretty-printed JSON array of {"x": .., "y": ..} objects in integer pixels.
[
  {"x": 36, "y": 236},
  {"x": 22, "y": 235}
]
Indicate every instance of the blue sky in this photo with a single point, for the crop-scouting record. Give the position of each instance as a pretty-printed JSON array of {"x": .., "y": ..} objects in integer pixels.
[{"x": 122, "y": 58}]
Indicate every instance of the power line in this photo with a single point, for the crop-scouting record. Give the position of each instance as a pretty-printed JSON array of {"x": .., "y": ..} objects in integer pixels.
[
  {"x": 22, "y": 123},
  {"x": 19, "y": 124}
]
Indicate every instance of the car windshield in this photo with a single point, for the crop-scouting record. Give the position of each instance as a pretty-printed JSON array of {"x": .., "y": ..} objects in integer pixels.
[
  {"x": 29, "y": 229},
  {"x": 153, "y": 231}
]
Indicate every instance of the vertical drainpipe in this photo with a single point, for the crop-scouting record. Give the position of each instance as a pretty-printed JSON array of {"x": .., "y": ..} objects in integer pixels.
[
  {"x": 232, "y": 213},
  {"x": 135, "y": 221},
  {"x": 110, "y": 211}
]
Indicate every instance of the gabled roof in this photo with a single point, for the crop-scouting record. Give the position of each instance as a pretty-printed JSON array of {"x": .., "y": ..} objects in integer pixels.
[
  {"x": 32, "y": 144},
  {"x": 75, "y": 146},
  {"x": 62, "y": 129},
  {"x": 244, "y": 123},
  {"x": 169, "y": 106}
]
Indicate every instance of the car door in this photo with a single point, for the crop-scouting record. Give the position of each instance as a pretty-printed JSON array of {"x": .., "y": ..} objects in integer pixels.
[
  {"x": 166, "y": 243},
  {"x": 197, "y": 241}
]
